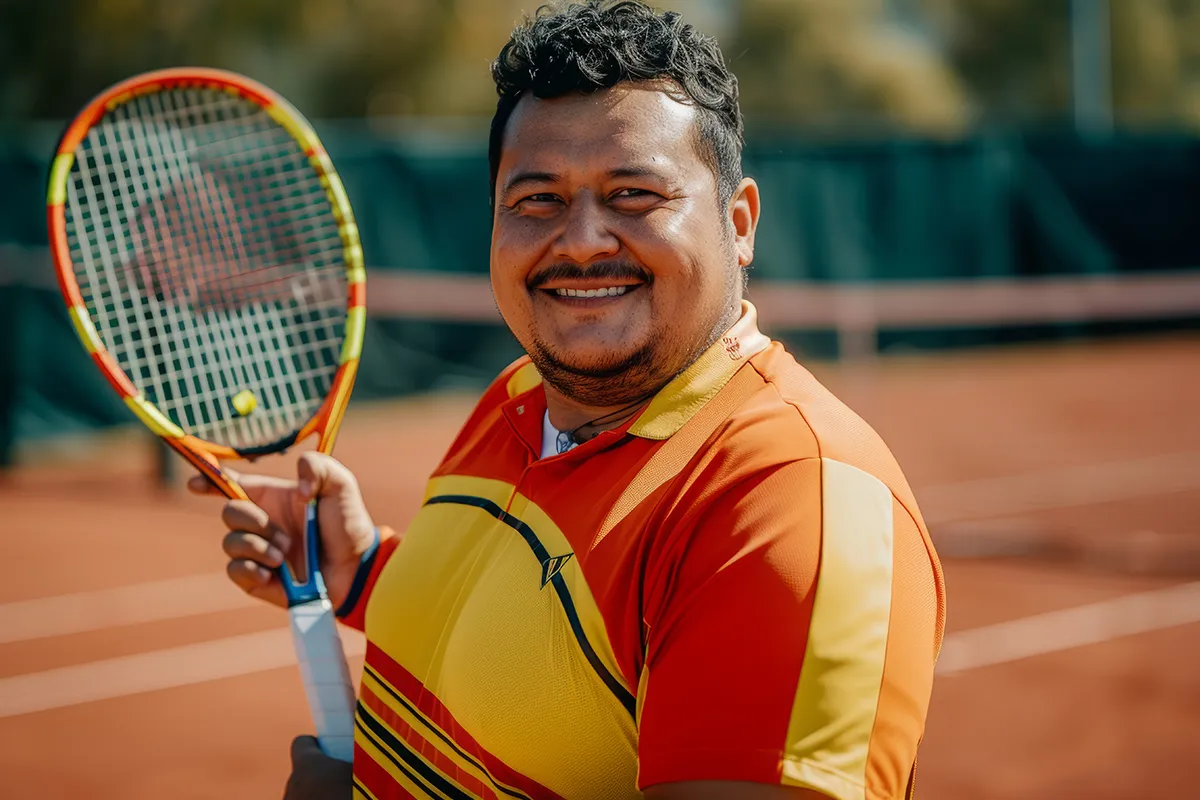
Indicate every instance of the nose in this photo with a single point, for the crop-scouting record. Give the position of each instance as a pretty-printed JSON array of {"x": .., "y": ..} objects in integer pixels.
[{"x": 585, "y": 235}]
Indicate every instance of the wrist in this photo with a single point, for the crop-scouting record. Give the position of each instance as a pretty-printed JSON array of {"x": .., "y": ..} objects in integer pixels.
[{"x": 365, "y": 563}]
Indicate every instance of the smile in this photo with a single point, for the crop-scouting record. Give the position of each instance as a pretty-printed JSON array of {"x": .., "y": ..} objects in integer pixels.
[{"x": 607, "y": 291}]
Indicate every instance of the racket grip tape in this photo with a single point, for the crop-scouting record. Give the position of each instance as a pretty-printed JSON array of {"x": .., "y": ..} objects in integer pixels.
[{"x": 326, "y": 676}]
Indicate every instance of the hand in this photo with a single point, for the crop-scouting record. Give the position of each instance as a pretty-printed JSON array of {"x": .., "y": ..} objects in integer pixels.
[
  {"x": 270, "y": 526},
  {"x": 316, "y": 776}
]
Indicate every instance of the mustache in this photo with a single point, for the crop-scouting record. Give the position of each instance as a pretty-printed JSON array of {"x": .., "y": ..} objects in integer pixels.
[{"x": 617, "y": 270}]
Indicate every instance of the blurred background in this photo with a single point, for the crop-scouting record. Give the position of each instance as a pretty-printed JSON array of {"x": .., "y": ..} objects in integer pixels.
[{"x": 979, "y": 229}]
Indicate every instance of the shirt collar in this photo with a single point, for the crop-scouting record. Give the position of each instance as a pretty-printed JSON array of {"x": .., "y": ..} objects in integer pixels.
[
  {"x": 690, "y": 390},
  {"x": 675, "y": 403}
]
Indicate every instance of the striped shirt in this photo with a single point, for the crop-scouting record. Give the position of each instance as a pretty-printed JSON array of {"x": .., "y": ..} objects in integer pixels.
[{"x": 734, "y": 585}]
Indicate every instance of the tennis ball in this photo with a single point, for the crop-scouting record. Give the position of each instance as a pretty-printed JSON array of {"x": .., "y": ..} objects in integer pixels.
[{"x": 244, "y": 402}]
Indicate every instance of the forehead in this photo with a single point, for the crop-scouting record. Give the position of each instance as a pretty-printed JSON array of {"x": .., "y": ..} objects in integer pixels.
[{"x": 605, "y": 129}]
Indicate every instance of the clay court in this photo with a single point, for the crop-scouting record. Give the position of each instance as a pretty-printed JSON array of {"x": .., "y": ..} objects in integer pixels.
[{"x": 1062, "y": 483}]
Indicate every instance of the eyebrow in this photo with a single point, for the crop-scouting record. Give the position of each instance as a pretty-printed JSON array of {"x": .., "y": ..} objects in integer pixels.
[
  {"x": 541, "y": 178},
  {"x": 524, "y": 178}
]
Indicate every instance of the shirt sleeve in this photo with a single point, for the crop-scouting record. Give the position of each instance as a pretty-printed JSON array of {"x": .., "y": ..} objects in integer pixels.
[
  {"x": 352, "y": 611},
  {"x": 791, "y": 637}
]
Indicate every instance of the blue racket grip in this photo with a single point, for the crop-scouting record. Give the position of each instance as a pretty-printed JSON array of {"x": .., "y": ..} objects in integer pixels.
[{"x": 313, "y": 586}]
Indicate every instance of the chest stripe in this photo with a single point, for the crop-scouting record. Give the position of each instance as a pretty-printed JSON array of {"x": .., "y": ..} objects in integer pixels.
[
  {"x": 397, "y": 753},
  {"x": 627, "y": 700},
  {"x": 377, "y": 680}
]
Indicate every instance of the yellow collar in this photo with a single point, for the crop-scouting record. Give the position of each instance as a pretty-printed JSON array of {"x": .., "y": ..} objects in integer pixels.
[{"x": 680, "y": 399}]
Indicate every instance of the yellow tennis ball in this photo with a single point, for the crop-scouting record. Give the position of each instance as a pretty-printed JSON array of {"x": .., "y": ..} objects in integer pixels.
[{"x": 244, "y": 402}]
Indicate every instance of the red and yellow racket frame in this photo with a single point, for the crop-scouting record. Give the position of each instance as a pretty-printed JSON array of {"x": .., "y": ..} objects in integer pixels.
[{"x": 205, "y": 455}]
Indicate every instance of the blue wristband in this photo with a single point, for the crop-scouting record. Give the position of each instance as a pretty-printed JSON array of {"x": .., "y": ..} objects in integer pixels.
[{"x": 360, "y": 578}]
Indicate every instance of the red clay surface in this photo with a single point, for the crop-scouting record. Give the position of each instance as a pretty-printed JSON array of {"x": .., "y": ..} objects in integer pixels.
[{"x": 1114, "y": 720}]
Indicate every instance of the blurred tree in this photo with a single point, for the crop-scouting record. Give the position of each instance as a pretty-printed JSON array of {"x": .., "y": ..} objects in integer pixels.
[
  {"x": 1014, "y": 57},
  {"x": 929, "y": 66},
  {"x": 842, "y": 64}
]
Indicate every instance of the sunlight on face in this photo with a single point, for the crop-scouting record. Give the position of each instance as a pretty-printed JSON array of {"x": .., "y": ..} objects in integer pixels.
[{"x": 611, "y": 259}]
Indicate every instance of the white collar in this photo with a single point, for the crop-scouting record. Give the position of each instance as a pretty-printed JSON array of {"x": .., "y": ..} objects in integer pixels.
[{"x": 551, "y": 438}]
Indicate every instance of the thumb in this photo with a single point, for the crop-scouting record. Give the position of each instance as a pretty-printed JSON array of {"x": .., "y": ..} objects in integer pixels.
[{"x": 319, "y": 475}]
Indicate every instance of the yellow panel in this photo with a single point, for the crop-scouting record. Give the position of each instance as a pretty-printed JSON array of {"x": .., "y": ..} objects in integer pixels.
[
  {"x": 154, "y": 419},
  {"x": 524, "y": 379},
  {"x": 356, "y": 325},
  {"x": 85, "y": 329},
  {"x": 59, "y": 171},
  {"x": 835, "y": 704},
  {"x": 461, "y": 605}
]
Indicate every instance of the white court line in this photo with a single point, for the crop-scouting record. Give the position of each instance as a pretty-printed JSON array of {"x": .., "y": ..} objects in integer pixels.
[
  {"x": 256, "y": 652},
  {"x": 158, "y": 669},
  {"x": 1062, "y": 488},
  {"x": 1068, "y": 628},
  {"x": 124, "y": 605},
  {"x": 974, "y": 500}
]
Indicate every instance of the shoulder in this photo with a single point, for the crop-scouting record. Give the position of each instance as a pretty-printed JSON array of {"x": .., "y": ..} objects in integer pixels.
[{"x": 793, "y": 416}]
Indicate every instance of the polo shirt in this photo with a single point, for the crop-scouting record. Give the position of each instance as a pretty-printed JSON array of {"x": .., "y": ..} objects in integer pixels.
[{"x": 736, "y": 584}]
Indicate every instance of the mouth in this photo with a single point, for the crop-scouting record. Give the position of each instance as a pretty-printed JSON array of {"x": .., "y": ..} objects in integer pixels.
[
  {"x": 602, "y": 291},
  {"x": 590, "y": 295}
]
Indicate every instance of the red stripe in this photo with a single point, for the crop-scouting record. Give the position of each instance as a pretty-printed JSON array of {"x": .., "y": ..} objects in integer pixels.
[
  {"x": 358, "y": 294},
  {"x": 439, "y": 715},
  {"x": 56, "y": 220},
  {"x": 426, "y": 749},
  {"x": 116, "y": 376},
  {"x": 378, "y": 780}
]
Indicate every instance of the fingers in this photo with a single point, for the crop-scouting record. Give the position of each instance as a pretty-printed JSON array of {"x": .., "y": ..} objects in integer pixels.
[
  {"x": 198, "y": 484},
  {"x": 257, "y": 581},
  {"x": 242, "y": 546},
  {"x": 256, "y": 549},
  {"x": 256, "y": 487},
  {"x": 320, "y": 475}
]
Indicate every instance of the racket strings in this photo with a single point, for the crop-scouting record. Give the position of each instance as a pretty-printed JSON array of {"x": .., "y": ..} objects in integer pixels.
[{"x": 210, "y": 261}]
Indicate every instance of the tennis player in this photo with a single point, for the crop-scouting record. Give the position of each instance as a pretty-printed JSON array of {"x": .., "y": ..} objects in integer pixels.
[{"x": 659, "y": 560}]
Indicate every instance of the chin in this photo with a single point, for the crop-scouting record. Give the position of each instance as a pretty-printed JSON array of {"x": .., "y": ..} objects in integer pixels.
[{"x": 595, "y": 376}]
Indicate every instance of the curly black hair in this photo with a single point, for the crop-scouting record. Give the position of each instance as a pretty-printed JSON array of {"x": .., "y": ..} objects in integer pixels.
[{"x": 583, "y": 47}]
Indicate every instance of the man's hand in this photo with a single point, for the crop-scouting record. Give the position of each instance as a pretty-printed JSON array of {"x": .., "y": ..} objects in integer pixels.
[
  {"x": 316, "y": 776},
  {"x": 271, "y": 526}
]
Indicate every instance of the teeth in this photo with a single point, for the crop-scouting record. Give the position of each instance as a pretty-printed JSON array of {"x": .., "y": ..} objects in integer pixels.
[{"x": 610, "y": 291}]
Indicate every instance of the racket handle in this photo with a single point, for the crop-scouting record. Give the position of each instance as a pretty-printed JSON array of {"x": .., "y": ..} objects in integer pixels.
[{"x": 326, "y": 676}]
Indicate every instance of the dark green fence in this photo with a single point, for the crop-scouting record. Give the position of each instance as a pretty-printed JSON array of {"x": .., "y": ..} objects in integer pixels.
[{"x": 887, "y": 211}]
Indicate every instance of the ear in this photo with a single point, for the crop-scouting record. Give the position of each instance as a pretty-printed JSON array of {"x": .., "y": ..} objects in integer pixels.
[{"x": 743, "y": 213}]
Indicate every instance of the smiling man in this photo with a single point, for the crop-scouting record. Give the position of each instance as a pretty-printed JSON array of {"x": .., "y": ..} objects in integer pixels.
[{"x": 660, "y": 559}]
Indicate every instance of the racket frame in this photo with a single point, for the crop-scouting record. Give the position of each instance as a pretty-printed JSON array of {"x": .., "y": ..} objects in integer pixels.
[{"x": 323, "y": 666}]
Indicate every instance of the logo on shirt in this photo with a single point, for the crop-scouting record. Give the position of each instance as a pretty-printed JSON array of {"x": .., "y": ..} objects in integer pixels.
[
  {"x": 552, "y": 566},
  {"x": 732, "y": 347}
]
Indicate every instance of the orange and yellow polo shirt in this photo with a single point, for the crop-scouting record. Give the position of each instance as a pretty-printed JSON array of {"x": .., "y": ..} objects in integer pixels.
[{"x": 734, "y": 585}]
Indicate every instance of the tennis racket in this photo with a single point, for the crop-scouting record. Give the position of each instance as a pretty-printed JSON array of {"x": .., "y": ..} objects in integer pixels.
[{"x": 212, "y": 268}]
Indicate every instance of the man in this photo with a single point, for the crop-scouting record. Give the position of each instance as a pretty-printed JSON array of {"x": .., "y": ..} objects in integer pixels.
[{"x": 659, "y": 558}]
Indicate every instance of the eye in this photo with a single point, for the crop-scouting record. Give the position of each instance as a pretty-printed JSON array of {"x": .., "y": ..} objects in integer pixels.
[
  {"x": 630, "y": 192},
  {"x": 540, "y": 197}
]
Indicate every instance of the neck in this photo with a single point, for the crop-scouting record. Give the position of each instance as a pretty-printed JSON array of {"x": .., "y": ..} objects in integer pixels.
[{"x": 567, "y": 414}]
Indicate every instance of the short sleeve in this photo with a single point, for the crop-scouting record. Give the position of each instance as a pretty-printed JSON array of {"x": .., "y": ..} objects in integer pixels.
[
  {"x": 352, "y": 612},
  {"x": 767, "y": 644}
]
